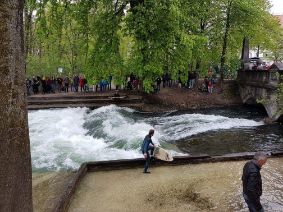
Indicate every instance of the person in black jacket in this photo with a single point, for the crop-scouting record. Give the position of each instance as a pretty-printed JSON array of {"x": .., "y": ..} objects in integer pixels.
[
  {"x": 252, "y": 183},
  {"x": 147, "y": 146}
]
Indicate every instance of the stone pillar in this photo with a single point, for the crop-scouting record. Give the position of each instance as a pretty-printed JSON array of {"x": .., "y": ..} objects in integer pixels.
[{"x": 245, "y": 50}]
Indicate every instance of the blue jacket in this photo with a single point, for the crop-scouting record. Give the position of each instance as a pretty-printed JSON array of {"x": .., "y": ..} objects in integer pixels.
[{"x": 146, "y": 144}]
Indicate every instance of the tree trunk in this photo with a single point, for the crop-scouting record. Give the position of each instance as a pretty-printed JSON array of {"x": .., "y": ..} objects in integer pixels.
[
  {"x": 225, "y": 43},
  {"x": 199, "y": 59},
  {"x": 15, "y": 168}
]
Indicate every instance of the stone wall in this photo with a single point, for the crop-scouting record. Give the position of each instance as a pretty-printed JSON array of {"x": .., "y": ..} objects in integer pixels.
[{"x": 259, "y": 86}]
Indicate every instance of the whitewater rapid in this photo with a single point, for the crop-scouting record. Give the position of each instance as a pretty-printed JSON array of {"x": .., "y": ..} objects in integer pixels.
[{"x": 65, "y": 138}]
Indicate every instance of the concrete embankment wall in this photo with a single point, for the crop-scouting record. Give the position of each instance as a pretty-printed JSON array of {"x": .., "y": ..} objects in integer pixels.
[{"x": 90, "y": 100}]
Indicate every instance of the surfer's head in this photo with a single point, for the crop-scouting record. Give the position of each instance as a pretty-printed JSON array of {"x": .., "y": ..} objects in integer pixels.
[{"x": 151, "y": 132}]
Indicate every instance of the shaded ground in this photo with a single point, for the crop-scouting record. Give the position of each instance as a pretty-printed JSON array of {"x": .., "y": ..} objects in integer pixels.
[
  {"x": 47, "y": 188},
  {"x": 182, "y": 99},
  {"x": 195, "y": 188}
]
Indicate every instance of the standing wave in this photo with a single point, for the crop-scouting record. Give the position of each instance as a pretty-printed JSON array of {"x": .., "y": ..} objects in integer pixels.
[{"x": 65, "y": 138}]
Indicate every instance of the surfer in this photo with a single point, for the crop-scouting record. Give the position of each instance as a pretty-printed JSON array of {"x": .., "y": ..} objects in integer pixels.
[
  {"x": 147, "y": 146},
  {"x": 252, "y": 184}
]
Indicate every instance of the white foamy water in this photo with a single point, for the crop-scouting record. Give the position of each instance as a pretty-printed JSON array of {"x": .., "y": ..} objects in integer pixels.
[
  {"x": 183, "y": 126},
  {"x": 65, "y": 138}
]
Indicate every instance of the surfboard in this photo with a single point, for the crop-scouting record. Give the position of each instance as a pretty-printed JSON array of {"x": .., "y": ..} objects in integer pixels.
[{"x": 162, "y": 154}]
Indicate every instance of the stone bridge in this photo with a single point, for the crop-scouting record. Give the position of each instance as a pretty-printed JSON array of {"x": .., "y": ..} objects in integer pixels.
[{"x": 262, "y": 86}]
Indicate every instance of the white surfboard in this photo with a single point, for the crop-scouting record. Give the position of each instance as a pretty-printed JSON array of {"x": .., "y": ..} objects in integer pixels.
[{"x": 162, "y": 154}]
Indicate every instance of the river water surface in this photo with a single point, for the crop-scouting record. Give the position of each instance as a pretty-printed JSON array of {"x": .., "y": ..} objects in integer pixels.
[{"x": 65, "y": 138}]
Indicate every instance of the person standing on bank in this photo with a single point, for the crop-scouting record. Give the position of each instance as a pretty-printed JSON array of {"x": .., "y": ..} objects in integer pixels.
[
  {"x": 147, "y": 146},
  {"x": 252, "y": 184}
]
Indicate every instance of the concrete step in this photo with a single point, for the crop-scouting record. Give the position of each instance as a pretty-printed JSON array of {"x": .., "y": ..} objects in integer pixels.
[
  {"x": 76, "y": 96},
  {"x": 137, "y": 106},
  {"x": 84, "y": 101}
]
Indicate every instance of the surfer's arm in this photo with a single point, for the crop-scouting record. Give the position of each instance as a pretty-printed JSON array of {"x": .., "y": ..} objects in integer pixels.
[{"x": 150, "y": 141}]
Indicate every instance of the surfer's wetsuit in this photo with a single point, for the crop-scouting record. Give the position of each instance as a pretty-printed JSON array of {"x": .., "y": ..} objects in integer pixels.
[{"x": 146, "y": 147}]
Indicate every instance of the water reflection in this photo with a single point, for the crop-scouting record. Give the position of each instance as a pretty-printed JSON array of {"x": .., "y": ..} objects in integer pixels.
[{"x": 264, "y": 138}]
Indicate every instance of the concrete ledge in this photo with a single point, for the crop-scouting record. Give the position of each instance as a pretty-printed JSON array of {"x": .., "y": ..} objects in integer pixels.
[
  {"x": 137, "y": 106},
  {"x": 65, "y": 199},
  {"x": 49, "y": 101},
  {"x": 277, "y": 154},
  {"x": 135, "y": 163}
]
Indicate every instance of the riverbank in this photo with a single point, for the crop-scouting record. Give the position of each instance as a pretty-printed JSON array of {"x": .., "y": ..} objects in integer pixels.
[
  {"x": 192, "y": 187},
  {"x": 166, "y": 99},
  {"x": 186, "y": 99}
]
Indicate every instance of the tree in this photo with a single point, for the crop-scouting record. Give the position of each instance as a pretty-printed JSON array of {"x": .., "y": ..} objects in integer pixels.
[
  {"x": 15, "y": 169},
  {"x": 145, "y": 37},
  {"x": 162, "y": 42},
  {"x": 106, "y": 59}
]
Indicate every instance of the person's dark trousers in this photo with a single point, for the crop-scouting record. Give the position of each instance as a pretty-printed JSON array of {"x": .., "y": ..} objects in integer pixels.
[
  {"x": 148, "y": 159},
  {"x": 67, "y": 88},
  {"x": 35, "y": 89},
  {"x": 147, "y": 162},
  {"x": 158, "y": 87},
  {"x": 254, "y": 206},
  {"x": 28, "y": 91}
]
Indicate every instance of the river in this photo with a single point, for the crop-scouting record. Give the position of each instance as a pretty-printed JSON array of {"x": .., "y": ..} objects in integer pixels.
[{"x": 64, "y": 138}]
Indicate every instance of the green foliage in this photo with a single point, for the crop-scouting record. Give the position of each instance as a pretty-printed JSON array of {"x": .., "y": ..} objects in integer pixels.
[
  {"x": 162, "y": 43},
  {"x": 148, "y": 38},
  {"x": 105, "y": 59},
  {"x": 61, "y": 37}
]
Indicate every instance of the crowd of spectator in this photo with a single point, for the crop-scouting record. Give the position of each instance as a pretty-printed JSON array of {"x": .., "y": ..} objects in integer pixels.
[
  {"x": 79, "y": 83},
  {"x": 46, "y": 85}
]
